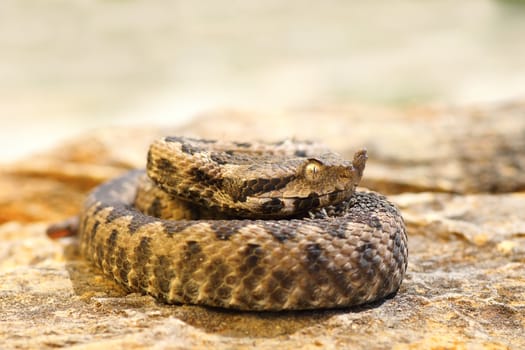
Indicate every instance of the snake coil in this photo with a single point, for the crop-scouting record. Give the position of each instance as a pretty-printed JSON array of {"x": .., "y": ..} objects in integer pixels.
[{"x": 246, "y": 226}]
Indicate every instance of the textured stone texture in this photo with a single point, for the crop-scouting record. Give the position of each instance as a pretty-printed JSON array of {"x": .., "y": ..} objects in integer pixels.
[{"x": 456, "y": 174}]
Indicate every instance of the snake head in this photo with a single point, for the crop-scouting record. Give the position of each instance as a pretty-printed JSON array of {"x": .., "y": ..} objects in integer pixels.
[{"x": 306, "y": 183}]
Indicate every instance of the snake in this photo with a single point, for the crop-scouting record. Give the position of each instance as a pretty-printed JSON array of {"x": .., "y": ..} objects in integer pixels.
[{"x": 246, "y": 226}]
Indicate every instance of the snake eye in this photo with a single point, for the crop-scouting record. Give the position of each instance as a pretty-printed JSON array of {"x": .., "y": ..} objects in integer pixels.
[{"x": 312, "y": 169}]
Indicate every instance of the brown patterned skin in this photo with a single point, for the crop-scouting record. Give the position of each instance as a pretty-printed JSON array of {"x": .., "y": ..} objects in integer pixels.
[{"x": 332, "y": 252}]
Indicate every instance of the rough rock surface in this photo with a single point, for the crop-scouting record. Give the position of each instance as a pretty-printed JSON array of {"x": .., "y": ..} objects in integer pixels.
[{"x": 456, "y": 174}]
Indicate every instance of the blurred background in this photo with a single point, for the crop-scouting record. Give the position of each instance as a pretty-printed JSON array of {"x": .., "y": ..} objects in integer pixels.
[{"x": 68, "y": 66}]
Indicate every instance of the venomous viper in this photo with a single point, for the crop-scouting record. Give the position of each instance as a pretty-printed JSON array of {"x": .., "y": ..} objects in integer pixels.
[{"x": 261, "y": 227}]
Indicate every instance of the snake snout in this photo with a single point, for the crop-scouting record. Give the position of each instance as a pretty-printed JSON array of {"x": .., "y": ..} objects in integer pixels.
[{"x": 359, "y": 162}]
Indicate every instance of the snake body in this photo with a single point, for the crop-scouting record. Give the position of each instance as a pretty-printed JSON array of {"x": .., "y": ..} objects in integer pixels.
[{"x": 265, "y": 227}]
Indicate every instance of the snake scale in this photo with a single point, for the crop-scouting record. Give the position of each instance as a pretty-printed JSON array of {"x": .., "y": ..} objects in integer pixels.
[{"x": 266, "y": 226}]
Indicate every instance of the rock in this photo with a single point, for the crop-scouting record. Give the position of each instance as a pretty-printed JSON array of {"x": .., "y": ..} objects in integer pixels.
[{"x": 455, "y": 173}]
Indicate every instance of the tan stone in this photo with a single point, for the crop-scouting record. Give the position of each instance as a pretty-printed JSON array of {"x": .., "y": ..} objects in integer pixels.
[{"x": 465, "y": 287}]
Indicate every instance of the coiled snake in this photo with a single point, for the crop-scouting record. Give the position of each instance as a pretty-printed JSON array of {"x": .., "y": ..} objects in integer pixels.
[{"x": 263, "y": 227}]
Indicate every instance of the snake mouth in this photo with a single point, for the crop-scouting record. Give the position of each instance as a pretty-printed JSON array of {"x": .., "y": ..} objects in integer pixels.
[
  {"x": 278, "y": 206},
  {"x": 293, "y": 205},
  {"x": 331, "y": 195}
]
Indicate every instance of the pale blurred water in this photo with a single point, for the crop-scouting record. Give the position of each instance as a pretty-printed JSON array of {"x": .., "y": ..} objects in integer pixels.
[{"x": 67, "y": 66}]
